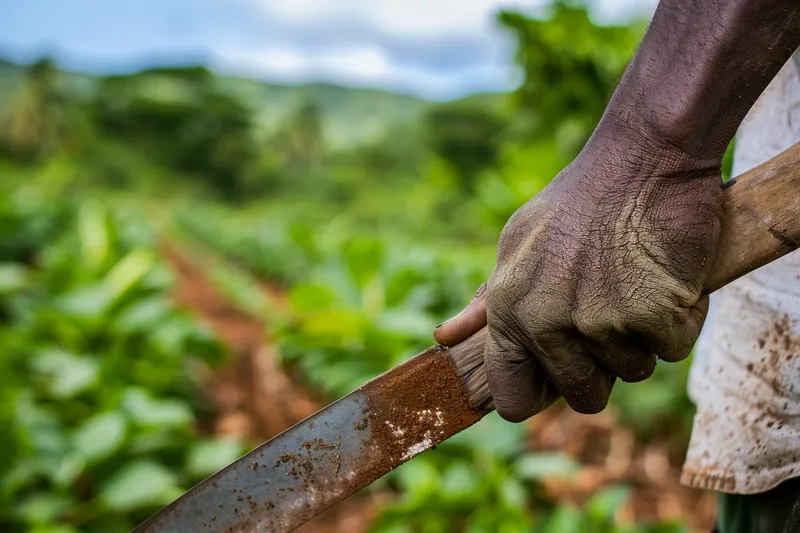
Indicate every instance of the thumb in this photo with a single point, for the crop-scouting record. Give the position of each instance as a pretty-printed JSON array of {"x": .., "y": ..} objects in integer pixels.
[{"x": 466, "y": 323}]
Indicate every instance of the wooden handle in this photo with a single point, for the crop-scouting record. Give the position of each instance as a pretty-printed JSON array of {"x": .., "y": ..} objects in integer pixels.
[{"x": 761, "y": 222}]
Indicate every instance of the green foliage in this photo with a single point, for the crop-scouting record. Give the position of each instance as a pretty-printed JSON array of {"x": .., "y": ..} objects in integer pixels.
[
  {"x": 98, "y": 405},
  {"x": 467, "y": 137},
  {"x": 571, "y": 67},
  {"x": 375, "y": 213},
  {"x": 364, "y": 304},
  {"x": 368, "y": 304},
  {"x": 182, "y": 121},
  {"x": 32, "y": 123}
]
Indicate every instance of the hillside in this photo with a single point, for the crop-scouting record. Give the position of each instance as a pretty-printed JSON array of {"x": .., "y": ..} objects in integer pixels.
[{"x": 350, "y": 116}]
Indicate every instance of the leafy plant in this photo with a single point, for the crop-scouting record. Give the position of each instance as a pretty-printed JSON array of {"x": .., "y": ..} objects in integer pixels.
[{"x": 99, "y": 405}]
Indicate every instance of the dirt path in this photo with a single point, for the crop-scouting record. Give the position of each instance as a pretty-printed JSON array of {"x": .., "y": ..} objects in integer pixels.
[
  {"x": 255, "y": 397},
  {"x": 257, "y": 400}
]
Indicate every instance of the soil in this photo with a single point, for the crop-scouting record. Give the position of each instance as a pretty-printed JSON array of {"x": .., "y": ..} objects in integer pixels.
[
  {"x": 610, "y": 455},
  {"x": 254, "y": 397},
  {"x": 257, "y": 399}
]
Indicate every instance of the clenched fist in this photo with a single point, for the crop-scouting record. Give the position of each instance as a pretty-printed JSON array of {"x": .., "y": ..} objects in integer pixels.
[{"x": 598, "y": 276}]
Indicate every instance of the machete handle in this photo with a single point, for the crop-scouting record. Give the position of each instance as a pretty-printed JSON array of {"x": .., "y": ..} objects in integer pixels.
[{"x": 761, "y": 222}]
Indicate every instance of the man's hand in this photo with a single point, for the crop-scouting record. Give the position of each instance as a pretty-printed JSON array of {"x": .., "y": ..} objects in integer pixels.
[
  {"x": 601, "y": 273},
  {"x": 597, "y": 276}
]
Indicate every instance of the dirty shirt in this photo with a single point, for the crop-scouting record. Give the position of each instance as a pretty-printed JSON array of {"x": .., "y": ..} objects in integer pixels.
[{"x": 745, "y": 378}]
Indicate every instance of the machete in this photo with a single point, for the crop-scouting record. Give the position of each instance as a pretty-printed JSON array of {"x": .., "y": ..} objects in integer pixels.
[{"x": 411, "y": 408}]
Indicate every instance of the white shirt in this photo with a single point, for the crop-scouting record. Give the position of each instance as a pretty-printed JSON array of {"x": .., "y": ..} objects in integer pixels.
[{"x": 745, "y": 378}]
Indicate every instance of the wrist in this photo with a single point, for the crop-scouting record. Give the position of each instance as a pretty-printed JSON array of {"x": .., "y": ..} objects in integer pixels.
[
  {"x": 700, "y": 68},
  {"x": 635, "y": 142}
]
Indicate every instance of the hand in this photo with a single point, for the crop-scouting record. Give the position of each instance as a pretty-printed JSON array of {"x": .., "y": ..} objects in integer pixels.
[{"x": 597, "y": 276}]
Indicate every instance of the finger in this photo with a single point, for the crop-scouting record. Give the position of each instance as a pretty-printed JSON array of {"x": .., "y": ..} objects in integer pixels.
[
  {"x": 519, "y": 386},
  {"x": 672, "y": 339},
  {"x": 583, "y": 383},
  {"x": 466, "y": 323},
  {"x": 698, "y": 314},
  {"x": 627, "y": 358}
]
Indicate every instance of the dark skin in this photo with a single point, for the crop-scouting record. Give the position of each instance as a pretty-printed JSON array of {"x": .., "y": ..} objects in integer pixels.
[{"x": 601, "y": 274}]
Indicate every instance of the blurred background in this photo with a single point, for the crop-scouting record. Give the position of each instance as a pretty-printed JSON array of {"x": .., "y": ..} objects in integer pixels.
[{"x": 216, "y": 217}]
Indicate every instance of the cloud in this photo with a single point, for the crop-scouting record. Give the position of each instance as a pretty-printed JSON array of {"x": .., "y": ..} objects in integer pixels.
[
  {"x": 434, "y": 48},
  {"x": 364, "y": 66},
  {"x": 406, "y": 18}
]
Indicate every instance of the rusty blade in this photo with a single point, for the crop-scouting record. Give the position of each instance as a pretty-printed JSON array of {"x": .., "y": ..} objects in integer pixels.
[{"x": 330, "y": 455}]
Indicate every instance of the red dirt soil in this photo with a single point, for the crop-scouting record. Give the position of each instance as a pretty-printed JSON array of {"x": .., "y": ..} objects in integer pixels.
[
  {"x": 610, "y": 456},
  {"x": 255, "y": 397}
]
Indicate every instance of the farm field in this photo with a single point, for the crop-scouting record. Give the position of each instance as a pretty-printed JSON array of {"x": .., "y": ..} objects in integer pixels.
[{"x": 191, "y": 263}]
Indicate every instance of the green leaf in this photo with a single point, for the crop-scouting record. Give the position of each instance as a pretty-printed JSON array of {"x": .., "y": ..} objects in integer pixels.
[
  {"x": 128, "y": 272},
  {"x": 462, "y": 482},
  {"x": 20, "y": 475},
  {"x": 44, "y": 507},
  {"x": 311, "y": 297},
  {"x": 139, "y": 485},
  {"x": 148, "y": 411},
  {"x": 364, "y": 256},
  {"x": 54, "y": 528},
  {"x": 143, "y": 315},
  {"x": 408, "y": 322},
  {"x": 13, "y": 277},
  {"x": 209, "y": 456},
  {"x": 100, "y": 436},
  {"x": 94, "y": 234},
  {"x": 419, "y": 478},
  {"x": 543, "y": 465},
  {"x": 88, "y": 302},
  {"x": 493, "y": 435},
  {"x": 605, "y": 504},
  {"x": 512, "y": 493},
  {"x": 68, "y": 470},
  {"x": 64, "y": 374},
  {"x": 565, "y": 519}
]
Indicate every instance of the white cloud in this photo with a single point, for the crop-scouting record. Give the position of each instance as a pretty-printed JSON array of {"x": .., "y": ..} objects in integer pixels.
[
  {"x": 356, "y": 62},
  {"x": 362, "y": 66},
  {"x": 436, "y": 48},
  {"x": 406, "y": 18}
]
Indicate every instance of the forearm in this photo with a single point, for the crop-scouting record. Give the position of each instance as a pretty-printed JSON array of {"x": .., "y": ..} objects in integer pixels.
[{"x": 699, "y": 69}]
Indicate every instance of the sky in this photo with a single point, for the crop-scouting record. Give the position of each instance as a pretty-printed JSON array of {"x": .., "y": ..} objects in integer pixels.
[{"x": 432, "y": 48}]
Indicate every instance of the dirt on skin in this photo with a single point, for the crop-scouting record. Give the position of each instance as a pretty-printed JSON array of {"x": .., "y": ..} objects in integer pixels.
[{"x": 255, "y": 398}]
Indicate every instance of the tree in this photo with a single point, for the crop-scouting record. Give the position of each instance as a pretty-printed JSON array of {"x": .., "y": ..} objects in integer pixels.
[
  {"x": 570, "y": 68},
  {"x": 301, "y": 137},
  {"x": 465, "y": 136},
  {"x": 32, "y": 123},
  {"x": 181, "y": 119}
]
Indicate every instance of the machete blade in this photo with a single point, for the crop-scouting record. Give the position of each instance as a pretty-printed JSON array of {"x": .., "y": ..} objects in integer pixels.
[
  {"x": 328, "y": 456},
  {"x": 282, "y": 483}
]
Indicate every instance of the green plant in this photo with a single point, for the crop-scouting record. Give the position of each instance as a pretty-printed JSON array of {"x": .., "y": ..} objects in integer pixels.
[{"x": 100, "y": 397}]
